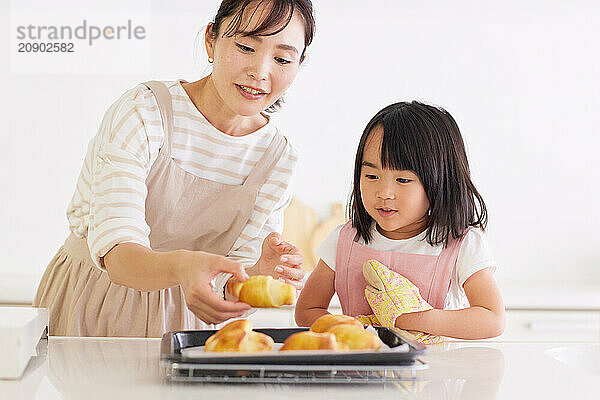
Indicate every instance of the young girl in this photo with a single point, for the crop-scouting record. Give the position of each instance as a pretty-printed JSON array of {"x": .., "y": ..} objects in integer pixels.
[{"x": 415, "y": 209}]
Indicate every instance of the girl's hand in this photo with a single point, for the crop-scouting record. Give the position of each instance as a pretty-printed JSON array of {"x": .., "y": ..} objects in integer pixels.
[
  {"x": 314, "y": 300},
  {"x": 280, "y": 260},
  {"x": 195, "y": 270}
]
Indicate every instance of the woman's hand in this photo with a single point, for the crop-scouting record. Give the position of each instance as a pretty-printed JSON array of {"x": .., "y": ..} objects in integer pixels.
[
  {"x": 195, "y": 270},
  {"x": 280, "y": 260}
]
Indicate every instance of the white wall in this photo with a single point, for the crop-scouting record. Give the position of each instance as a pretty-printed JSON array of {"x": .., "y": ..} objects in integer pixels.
[{"x": 520, "y": 77}]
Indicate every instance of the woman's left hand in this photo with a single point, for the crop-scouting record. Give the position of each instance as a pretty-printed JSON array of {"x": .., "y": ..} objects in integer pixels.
[{"x": 280, "y": 260}]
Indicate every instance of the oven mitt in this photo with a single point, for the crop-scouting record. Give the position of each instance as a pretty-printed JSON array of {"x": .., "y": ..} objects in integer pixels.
[
  {"x": 390, "y": 295},
  {"x": 370, "y": 319},
  {"x": 421, "y": 337}
]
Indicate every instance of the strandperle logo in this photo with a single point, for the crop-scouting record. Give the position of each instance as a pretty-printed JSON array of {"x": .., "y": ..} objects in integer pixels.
[{"x": 84, "y": 31}]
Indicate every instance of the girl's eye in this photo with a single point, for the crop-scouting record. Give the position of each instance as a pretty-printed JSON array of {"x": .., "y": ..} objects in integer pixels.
[
  {"x": 282, "y": 61},
  {"x": 245, "y": 48},
  {"x": 402, "y": 180},
  {"x": 368, "y": 176}
]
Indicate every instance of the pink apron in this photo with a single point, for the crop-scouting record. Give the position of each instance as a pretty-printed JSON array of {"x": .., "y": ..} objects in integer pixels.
[{"x": 431, "y": 274}]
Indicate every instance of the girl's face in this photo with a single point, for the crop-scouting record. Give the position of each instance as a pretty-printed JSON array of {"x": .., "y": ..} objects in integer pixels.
[
  {"x": 251, "y": 73},
  {"x": 396, "y": 200}
]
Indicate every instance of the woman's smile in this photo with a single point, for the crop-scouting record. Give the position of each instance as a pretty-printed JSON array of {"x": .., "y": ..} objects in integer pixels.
[
  {"x": 259, "y": 63},
  {"x": 250, "y": 93}
]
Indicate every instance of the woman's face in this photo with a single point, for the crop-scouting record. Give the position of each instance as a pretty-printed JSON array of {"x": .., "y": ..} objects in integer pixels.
[
  {"x": 250, "y": 73},
  {"x": 396, "y": 200}
]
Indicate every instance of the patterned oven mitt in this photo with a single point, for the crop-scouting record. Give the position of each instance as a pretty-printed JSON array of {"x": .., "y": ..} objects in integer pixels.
[{"x": 390, "y": 295}]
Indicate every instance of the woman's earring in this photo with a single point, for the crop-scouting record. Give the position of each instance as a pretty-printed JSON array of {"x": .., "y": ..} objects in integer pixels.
[{"x": 211, "y": 60}]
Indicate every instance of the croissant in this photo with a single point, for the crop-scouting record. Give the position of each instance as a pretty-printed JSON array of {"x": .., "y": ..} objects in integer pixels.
[
  {"x": 264, "y": 291},
  {"x": 238, "y": 336},
  {"x": 355, "y": 337},
  {"x": 310, "y": 341},
  {"x": 325, "y": 322}
]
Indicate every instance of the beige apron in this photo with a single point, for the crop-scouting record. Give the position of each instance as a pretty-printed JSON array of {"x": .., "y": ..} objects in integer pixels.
[{"x": 183, "y": 211}]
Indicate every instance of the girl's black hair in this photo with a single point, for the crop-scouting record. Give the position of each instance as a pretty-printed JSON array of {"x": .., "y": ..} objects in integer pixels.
[
  {"x": 426, "y": 140},
  {"x": 271, "y": 22}
]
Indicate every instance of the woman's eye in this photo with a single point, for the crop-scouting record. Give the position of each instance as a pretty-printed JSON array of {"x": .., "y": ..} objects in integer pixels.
[
  {"x": 245, "y": 48},
  {"x": 282, "y": 60},
  {"x": 402, "y": 180}
]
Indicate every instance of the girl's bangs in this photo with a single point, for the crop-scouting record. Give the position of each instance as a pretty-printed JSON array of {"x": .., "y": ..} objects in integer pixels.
[{"x": 397, "y": 151}]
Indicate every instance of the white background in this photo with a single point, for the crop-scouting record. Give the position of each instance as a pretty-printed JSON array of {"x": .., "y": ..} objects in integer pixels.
[{"x": 520, "y": 77}]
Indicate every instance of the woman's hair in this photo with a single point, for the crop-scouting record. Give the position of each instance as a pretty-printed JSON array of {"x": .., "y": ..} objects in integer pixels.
[
  {"x": 272, "y": 22},
  {"x": 426, "y": 140}
]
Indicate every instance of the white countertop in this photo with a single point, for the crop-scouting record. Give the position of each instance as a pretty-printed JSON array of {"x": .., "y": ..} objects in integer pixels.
[{"x": 120, "y": 368}]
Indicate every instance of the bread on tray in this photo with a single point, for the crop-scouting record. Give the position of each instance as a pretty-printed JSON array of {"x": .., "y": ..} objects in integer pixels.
[
  {"x": 238, "y": 336},
  {"x": 310, "y": 341},
  {"x": 327, "y": 321},
  {"x": 343, "y": 333},
  {"x": 333, "y": 332},
  {"x": 355, "y": 337}
]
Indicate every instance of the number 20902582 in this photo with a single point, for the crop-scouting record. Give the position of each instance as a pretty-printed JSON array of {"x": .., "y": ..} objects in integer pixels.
[{"x": 46, "y": 47}]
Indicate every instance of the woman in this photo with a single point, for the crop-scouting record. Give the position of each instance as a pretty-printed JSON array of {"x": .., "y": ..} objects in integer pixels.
[{"x": 183, "y": 187}]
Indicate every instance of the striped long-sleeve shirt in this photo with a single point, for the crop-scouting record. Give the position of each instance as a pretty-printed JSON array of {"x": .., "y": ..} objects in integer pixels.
[{"x": 108, "y": 206}]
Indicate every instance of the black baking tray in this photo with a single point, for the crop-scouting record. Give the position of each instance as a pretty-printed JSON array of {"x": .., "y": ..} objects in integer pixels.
[{"x": 173, "y": 342}]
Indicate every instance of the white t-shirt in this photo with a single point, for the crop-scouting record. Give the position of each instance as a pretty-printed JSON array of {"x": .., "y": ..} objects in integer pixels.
[{"x": 474, "y": 255}]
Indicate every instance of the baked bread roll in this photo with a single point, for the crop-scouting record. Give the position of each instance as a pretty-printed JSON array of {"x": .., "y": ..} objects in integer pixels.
[
  {"x": 238, "y": 336},
  {"x": 355, "y": 337},
  {"x": 310, "y": 341},
  {"x": 264, "y": 291},
  {"x": 327, "y": 321}
]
